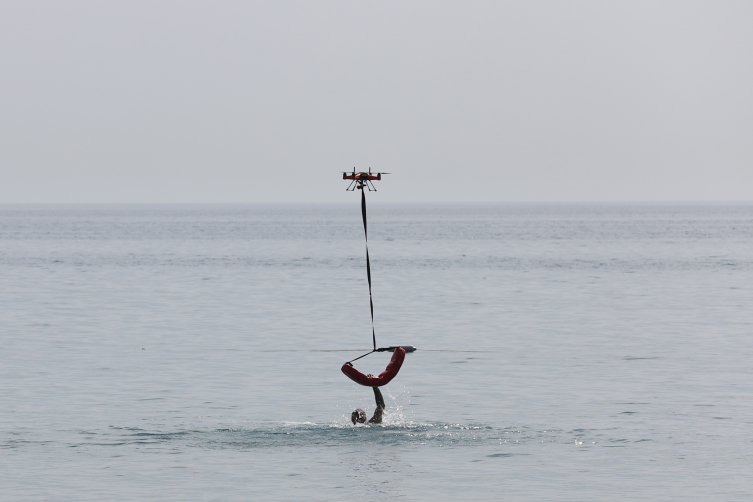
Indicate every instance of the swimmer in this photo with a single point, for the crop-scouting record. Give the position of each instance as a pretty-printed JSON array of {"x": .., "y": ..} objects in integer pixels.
[{"x": 359, "y": 416}]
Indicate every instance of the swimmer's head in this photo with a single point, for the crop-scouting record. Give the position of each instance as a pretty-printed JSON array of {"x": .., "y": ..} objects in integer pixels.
[{"x": 358, "y": 416}]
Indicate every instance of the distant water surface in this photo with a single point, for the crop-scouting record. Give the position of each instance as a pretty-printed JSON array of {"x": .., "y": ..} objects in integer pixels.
[{"x": 566, "y": 352}]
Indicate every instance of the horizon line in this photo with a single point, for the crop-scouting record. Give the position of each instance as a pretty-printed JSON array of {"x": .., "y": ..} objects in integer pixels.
[{"x": 377, "y": 202}]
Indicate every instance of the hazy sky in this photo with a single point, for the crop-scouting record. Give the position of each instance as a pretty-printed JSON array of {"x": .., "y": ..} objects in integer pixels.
[{"x": 180, "y": 101}]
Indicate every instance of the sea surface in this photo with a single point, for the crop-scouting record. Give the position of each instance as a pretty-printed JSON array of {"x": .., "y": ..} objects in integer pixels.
[{"x": 567, "y": 352}]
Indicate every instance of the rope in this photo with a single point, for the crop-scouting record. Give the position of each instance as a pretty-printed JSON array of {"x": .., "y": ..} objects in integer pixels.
[
  {"x": 368, "y": 276},
  {"x": 359, "y": 357},
  {"x": 368, "y": 265}
]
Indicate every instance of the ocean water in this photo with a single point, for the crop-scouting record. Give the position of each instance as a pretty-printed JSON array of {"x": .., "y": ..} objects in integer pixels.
[{"x": 566, "y": 352}]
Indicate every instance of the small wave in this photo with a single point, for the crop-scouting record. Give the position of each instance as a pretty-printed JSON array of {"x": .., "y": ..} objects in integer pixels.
[
  {"x": 394, "y": 431},
  {"x": 302, "y": 435},
  {"x": 336, "y": 434}
]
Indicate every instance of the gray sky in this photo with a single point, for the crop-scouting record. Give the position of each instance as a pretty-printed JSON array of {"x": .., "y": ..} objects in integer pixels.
[{"x": 178, "y": 101}]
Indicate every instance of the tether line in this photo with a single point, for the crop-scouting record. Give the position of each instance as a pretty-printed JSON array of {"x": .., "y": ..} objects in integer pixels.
[
  {"x": 368, "y": 275},
  {"x": 368, "y": 264}
]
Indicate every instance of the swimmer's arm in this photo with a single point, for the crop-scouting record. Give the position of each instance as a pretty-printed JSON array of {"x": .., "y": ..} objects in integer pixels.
[
  {"x": 377, "y": 418},
  {"x": 378, "y": 398}
]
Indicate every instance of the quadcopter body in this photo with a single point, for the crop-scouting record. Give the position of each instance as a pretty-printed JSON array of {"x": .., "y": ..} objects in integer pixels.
[{"x": 361, "y": 180}]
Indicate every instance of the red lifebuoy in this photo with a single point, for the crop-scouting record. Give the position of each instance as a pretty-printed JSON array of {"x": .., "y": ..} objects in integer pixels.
[{"x": 384, "y": 377}]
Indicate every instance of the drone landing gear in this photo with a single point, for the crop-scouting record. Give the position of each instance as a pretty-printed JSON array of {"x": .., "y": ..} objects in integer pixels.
[{"x": 359, "y": 184}]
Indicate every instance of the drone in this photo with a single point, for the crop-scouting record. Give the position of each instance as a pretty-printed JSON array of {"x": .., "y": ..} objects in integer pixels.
[{"x": 361, "y": 180}]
